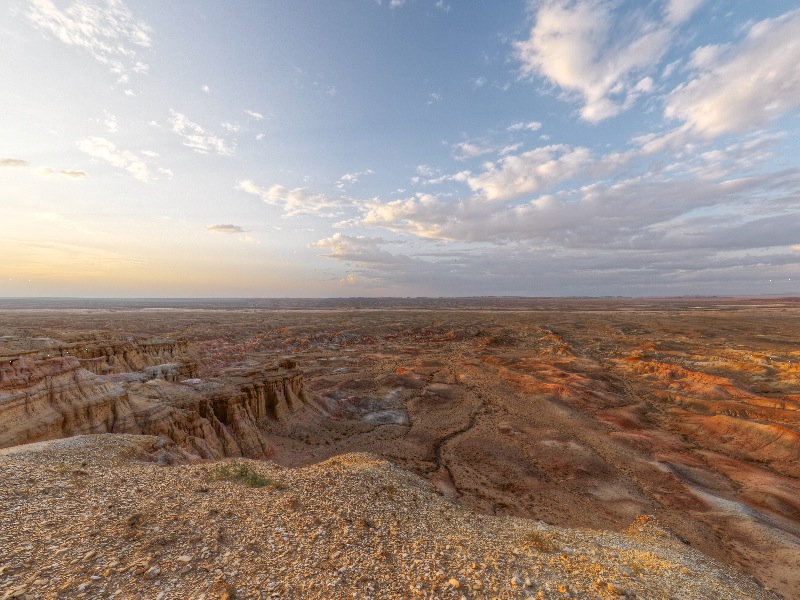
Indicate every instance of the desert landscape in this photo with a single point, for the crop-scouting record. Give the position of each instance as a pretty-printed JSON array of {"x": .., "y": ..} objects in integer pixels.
[{"x": 565, "y": 417}]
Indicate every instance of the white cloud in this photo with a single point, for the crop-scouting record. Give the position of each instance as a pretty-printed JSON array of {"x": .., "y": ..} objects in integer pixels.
[
  {"x": 740, "y": 86},
  {"x": 197, "y": 138},
  {"x": 103, "y": 149},
  {"x": 229, "y": 229},
  {"x": 205, "y": 89},
  {"x": 14, "y": 162},
  {"x": 20, "y": 163},
  {"x": 359, "y": 249},
  {"x": 538, "y": 169},
  {"x": 466, "y": 150},
  {"x": 396, "y": 3},
  {"x": 597, "y": 53},
  {"x": 442, "y": 6},
  {"x": 110, "y": 123},
  {"x": 645, "y": 214},
  {"x": 254, "y": 115},
  {"x": 231, "y": 127},
  {"x": 106, "y": 29},
  {"x": 434, "y": 97},
  {"x": 297, "y": 201},
  {"x": 349, "y": 179},
  {"x": 525, "y": 125},
  {"x": 73, "y": 173},
  {"x": 461, "y": 177},
  {"x": 679, "y": 11}
]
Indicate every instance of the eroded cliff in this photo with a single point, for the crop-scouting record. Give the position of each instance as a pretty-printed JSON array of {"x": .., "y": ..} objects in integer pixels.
[{"x": 50, "y": 398}]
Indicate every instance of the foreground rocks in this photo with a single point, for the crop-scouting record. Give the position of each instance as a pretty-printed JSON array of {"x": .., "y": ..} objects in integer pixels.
[{"x": 96, "y": 517}]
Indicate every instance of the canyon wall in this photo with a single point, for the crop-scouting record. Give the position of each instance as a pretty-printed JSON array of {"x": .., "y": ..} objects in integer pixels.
[{"x": 49, "y": 398}]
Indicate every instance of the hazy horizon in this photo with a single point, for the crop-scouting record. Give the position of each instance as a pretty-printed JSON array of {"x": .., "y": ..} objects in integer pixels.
[{"x": 395, "y": 148}]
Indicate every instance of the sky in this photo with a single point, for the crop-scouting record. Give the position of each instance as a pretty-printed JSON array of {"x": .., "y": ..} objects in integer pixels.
[{"x": 301, "y": 148}]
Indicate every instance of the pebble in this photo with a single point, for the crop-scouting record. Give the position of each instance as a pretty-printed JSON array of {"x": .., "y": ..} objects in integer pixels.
[
  {"x": 454, "y": 583},
  {"x": 89, "y": 555},
  {"x": 615, "y": 589},
  {"x": 152, "y": 573}
]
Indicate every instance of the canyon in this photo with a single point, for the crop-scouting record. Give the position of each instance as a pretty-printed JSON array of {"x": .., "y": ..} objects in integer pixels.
[{"x": 574, "y": 413}]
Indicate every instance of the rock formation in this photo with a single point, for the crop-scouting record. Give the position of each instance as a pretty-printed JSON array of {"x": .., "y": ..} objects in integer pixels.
[{"x": 49, "y": 398}]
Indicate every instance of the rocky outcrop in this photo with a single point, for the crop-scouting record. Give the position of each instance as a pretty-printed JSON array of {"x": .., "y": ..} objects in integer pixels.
[
  {"x": 58, "y": 397},
  {"x": 125, "y": 357}
]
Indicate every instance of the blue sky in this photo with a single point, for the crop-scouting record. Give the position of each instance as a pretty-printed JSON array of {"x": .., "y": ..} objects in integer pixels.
[{"x": 422, "y": 147}]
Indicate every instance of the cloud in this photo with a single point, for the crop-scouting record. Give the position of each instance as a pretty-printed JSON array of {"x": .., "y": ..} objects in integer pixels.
[
  {"x": 205, "y": 89},
  {"x": 103, "y": 149},
  {"x": 14, "y": 162},
  {"x": 297, "y": 201},
  {"x": 349, "y": 179},
  {"x": 525, "y": 126},
  {"x": 434, "y": 97},
  {"x": 396, "y": 3},
  {"x": 68, "y": 173},
  {"x": 740, "y": 86},
  {"x": 197, "y": 138},
  {"x": 19, "y": 163},
  {"x": 254, "y": 115},
  {"x": 110, "y": 123},
  {"x": 678, "y": 11},
  {"x": 466, "y": 150},
  {"x": 106, "y": 29},
  {"x": 596, "y": 53},
  {"x": 231, "y": 127},
  {"x": 73, "y": 174},
  {"x": 461, "y": 177},
  {"x": 640, "y": 213},
  {"x": 538, "y": 169},
  {"x": 230, "y": 229},
  {"x": 360, "y": 249}
]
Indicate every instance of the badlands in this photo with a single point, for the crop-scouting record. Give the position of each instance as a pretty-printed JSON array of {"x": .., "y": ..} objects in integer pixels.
[{"x": 388, "y": 448}]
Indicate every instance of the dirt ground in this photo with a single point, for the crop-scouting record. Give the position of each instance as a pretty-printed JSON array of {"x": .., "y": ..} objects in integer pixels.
[{"x": 578, "y": 413}]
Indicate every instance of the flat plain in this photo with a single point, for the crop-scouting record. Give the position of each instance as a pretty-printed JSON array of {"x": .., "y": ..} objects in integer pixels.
[{"x": 575, "y": 413}]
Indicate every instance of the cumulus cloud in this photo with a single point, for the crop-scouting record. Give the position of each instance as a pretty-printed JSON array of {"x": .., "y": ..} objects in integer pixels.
[
  {"x": 197, "y": 138},
  {"x": 254, "y": 115},
  {"x": 595, "y": 51},
  {"x": 106, "y": 29},
  {"x": 359, "y": 249},
  {"x": 639, "y": 213},
  {"x": 297, "y": 201},
  {"x": 13, "y": 162},
  {"x": 103, "y": 149},
  {"x": 739, "y": 86},
  {"x": 538, "y": 169}
]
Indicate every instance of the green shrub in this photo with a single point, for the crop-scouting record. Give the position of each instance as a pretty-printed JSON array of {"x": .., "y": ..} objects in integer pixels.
[{"x": 241, "y": 473}]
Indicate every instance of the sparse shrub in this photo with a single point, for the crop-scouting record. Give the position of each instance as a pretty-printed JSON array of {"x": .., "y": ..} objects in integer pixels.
[
  {"x": 287, "y": 363},
  {"x": 241, "y": 473},
  {"x": 542, "y": 542}
]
